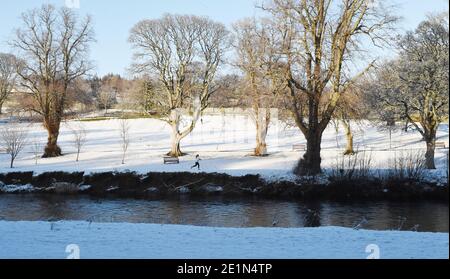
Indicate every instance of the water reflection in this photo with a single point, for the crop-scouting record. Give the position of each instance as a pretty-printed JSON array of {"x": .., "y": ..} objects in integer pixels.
[{"x": 219, "y": 212}]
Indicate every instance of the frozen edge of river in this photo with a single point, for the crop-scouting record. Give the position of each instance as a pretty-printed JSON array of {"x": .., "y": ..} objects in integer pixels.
[{"x": 45, "y": 240}]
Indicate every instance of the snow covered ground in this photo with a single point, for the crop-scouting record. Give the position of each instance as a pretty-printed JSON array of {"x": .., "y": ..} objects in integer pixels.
[
  {"x": 224, "y": 143},
  {"x": 45, "y": 240}
]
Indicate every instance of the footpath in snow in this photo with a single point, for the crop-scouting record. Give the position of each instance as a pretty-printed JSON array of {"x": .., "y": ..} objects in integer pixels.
[{"x": 45, "y": 240}]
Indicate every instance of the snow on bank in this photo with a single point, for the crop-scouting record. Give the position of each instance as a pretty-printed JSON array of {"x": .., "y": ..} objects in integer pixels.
[
  {"x": 45, "y": 240},
  {"x": 28, "y": 188},
  {"x": 223, "y": 142}
]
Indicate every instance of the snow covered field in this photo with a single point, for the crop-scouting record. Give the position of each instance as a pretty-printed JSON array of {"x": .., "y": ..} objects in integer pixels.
[
  {"x": 224, "y": 143},
  {"x": 136, "y": 241}
]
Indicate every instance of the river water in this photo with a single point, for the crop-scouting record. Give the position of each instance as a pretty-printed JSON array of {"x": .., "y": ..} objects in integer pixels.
[{"x": 220, "y": 212}]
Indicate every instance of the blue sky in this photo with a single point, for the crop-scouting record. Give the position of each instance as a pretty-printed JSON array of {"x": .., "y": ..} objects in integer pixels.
[{"x": 114, "y": 18}]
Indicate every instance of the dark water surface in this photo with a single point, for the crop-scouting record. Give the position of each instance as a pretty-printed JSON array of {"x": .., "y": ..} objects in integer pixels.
[{"x": 218, "y": 212}]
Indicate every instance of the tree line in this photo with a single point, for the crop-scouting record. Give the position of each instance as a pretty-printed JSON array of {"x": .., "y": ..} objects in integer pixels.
[{"x": 305, "y": 57}]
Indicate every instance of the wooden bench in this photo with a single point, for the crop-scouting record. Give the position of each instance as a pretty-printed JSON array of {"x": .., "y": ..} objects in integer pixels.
[
  {"x": 440, "y": 145},
  {"x": 299, "y": 147},
  {"x": 171, "y": 160}
]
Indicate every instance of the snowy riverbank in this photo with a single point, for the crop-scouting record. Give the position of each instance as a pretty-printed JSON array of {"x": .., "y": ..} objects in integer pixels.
[
  {"x": 173, "y": 185},
  {"x": 150, "y": 241}
]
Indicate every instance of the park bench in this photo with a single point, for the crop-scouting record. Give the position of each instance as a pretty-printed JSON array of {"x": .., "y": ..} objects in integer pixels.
[
  {"x": 171, "y": 160},
  {"x": 299, "y": 147},
  {"x": 440, "y": 145}
]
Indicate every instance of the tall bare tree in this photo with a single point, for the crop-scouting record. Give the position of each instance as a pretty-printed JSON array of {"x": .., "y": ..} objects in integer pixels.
[
  {"x": 415, "y": 86},
  {"x": 54, "y": 46},
  {"x": 255, "y": 53},
  {"x": 185, "y": 53},
  {"x": 8, "y": 64},
  {"x": 319, "y": 39}
]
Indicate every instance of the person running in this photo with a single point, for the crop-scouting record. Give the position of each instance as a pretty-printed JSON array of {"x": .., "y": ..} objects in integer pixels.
[{"x": 197, "y": 162}]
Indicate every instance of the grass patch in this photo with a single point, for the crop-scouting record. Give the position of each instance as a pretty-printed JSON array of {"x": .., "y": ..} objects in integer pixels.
[
  {"x": 95, "y": 119},
  {"x": 127, "y": 116},
  {"x": 136, "y": 116}
]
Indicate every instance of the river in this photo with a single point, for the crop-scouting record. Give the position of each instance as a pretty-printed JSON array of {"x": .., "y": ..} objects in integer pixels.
[{"x": 220, "y": 212}]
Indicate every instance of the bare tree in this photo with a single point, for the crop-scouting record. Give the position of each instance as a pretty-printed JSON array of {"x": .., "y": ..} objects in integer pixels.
[
  {"x": 8, "y": 64},
  {"x": 106, "y": 97},
  {"x": 255, "y": 51},
  {"x": 350, "y": 109},
  {"x": 318, "y": 38},
  {"x": 414, "y": 87},
  {"x": 53, "y": 45},
  {"x": 79, "y": 138},
  {"x": 185, "y": 53},
  {"x": 111, "y": 86},
  {"x": 124, "y": 129},
  {"x": 36, "y": 146},
  {"x": 13, "y": 139}
]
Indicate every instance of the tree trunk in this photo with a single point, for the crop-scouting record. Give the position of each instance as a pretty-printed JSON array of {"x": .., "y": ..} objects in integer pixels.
[
  {"x": 12, "y": 162},
  {"x": 430, "y": 126},
  {"x": 262, "y": 119},
  {"x": 429, "y": 155},
  {"x": 310, "y": 163},
  {"x": 177, "y": 135},
  {"x": 1, "y": 108},
  {"x": 349, "y": 135},
  {"x": 175, "y": 150},
  {"x": 52, "y": 149},
  {"x": 261, "y": 147}
]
